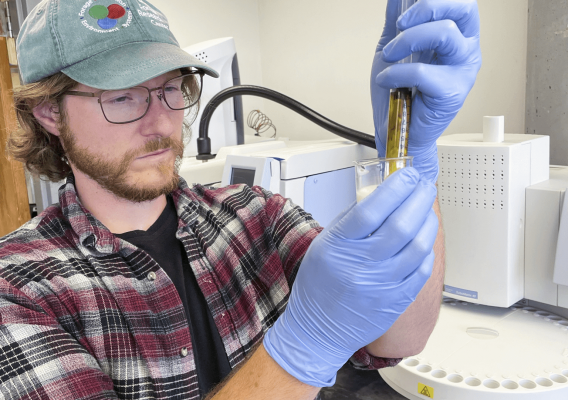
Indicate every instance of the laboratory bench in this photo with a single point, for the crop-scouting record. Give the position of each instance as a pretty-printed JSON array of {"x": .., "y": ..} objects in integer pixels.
[{"x": 353, "y": 384}]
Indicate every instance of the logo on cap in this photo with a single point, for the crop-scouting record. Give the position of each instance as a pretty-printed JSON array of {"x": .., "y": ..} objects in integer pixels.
[
  {"x": 155, "y": 16},
  {"x": 107, "y": 18}
]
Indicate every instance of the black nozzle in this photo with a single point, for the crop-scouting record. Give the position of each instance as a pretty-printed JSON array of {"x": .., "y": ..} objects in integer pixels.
[{"x": 204, "y": 147}]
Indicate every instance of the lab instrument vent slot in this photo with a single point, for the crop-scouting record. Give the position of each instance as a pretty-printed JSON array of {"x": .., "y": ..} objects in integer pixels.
[
  {"x": 473, "y": 180},
  {"x": 202, "y": 56}
]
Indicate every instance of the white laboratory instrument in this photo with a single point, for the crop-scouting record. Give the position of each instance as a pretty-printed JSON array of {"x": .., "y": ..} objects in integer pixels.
[
  {"x": 226, "y": 125},
  {"x": 318, "y": 175},
  {"x": 210, "y": 173},
  {"x": 503, "y": 326},
  {"x": 482, "y": 198}
]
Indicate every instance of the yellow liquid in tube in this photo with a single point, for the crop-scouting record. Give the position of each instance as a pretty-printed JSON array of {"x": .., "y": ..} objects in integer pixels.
[{"x": 398, "y": 125}]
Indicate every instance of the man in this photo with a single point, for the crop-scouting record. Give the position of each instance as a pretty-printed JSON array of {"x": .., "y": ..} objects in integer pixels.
[{"x": 138, "y": 286}]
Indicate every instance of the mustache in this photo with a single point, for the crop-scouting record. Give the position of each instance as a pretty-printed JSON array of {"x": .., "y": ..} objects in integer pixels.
[{"x": 160, "y": 143}]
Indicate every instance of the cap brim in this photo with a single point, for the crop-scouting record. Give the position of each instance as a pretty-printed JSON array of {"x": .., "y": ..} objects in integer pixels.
[{"x": 132, "y": 64}]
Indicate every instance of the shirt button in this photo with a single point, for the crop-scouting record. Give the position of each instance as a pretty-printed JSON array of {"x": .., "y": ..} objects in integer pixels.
[
  {"x": 151, "y": 276},
  {"x": 183, "y": 351}
]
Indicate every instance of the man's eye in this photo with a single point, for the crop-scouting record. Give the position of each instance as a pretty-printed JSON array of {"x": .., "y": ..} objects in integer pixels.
[
  {"x": 119, "y": 99},
  {"x": 172, "y": 88}
]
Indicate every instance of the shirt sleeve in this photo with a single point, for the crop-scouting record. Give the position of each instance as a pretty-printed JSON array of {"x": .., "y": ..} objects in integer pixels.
[
  {"x": 362, "y": 359},
  {"x": 39, "y": 359},
  {"x": 293, "y": 230}
]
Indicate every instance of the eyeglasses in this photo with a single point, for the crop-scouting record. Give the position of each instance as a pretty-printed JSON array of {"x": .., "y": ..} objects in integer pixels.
[{"x": 129, "y": 105}]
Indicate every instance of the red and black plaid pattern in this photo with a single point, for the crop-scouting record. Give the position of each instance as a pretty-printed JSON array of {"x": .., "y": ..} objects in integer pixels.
[{"x": 86, "y": 315}]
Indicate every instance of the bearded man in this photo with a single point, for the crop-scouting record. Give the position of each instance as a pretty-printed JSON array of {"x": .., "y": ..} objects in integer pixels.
[{"x": 137, "y": 285}]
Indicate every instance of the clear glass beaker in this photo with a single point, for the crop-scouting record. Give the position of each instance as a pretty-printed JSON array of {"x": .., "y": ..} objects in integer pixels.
[{"x": 371, "y": 173}]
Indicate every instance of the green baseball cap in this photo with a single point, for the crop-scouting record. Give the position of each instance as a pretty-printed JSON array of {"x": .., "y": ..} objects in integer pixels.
[{"x": 105, "y": 44}]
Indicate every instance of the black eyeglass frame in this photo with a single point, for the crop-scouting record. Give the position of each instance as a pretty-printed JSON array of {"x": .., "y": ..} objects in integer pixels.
[{"x": 99, "y": 93}]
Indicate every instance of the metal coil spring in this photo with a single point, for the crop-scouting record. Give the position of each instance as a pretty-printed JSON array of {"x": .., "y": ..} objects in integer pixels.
[{"x": 260, "y": 122}]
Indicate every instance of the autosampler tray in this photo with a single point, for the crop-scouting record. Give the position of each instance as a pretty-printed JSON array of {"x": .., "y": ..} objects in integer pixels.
[{"x": 478, "y": 352}]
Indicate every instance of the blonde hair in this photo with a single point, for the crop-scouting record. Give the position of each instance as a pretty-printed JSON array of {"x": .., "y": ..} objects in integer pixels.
[{"x": 42, "y": 152}]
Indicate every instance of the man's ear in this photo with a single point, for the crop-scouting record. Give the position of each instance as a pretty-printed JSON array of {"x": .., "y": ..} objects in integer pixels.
[{"x": 47, "y": 114}]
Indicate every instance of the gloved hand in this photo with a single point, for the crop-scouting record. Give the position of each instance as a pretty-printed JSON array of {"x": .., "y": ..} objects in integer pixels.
[
  {"x": 358, "y": 275},
  {"x": 446, "y": 32}
]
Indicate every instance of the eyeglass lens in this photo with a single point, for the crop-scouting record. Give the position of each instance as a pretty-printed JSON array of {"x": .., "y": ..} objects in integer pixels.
[{"x": 126, "y": 105}]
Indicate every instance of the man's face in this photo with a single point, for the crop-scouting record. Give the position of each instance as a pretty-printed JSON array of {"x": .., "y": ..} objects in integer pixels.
[{"x": 138, "y": 161}]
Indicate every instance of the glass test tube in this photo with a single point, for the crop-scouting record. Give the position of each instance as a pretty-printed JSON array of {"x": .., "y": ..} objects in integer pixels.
[
  {"x": 369, "y": 174},
  {"x": 400, "y": 104}
]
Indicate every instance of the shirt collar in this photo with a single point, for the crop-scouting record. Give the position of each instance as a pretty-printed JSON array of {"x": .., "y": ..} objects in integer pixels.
[
  {"x": 187, "y": 204},
  {"x": 92, "y": 234}
]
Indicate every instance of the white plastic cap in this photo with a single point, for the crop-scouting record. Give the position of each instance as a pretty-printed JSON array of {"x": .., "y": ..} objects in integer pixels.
[{"x": 494, "y": 129}]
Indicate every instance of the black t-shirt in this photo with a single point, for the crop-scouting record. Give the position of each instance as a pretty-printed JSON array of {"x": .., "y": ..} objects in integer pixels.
[{"x": 160, "y": 242}]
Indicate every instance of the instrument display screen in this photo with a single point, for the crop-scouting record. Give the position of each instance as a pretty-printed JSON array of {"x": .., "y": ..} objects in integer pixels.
[{"x": 242, "y": 175}]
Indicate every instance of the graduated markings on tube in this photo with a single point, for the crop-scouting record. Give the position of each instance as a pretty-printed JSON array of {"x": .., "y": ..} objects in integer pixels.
[
  {"x": 426, "y": 390},
  {"x": 403, "y": 130}
]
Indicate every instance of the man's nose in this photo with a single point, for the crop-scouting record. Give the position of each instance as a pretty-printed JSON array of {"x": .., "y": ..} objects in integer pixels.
[{"x": 158, "y": 120}]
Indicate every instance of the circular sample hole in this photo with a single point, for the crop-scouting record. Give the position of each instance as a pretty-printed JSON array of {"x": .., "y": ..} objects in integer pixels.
[
  {"x": 424, "y": 368},
  {"x": 527, "y": 384},
  {"x": 411, "y": 362},
  {"x": 539, "y": 314},
  {"x": 491, "y": 383},
  {"x": 542, "y": 313},
  {"x": 563, "y": 323},
  {"x": 529, "y": 309},
  {"x": 509, "y": 384},
  {"x": 544, "y": 382},
  {"x": 439, "y": 373},
  {"x": 455, "y": 378},
  {"x": 558, "y": 378},
  {"x": 471, "y": 381},
  {"x": 553, "y": 318}
]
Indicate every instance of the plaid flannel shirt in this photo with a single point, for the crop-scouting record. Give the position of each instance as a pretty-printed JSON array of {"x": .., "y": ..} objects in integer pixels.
[{"x": 86, "y": 315}]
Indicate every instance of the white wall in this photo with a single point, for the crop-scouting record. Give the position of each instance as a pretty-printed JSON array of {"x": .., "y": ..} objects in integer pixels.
[
  {"x": 320, "y": 52},
  {"x": 501, "y": 84}
]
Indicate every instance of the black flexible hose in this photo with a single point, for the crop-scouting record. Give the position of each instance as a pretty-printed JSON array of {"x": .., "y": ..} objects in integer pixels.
[{"x": 204, "y": 142}]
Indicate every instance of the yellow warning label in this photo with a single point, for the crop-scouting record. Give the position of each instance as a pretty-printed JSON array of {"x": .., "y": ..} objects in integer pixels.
[{"x": 425, "y": 390}]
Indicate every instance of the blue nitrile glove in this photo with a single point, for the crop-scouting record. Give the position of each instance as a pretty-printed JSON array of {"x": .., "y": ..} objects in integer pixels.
[
  {"x": 445, "y": 33},
  {"x": 357, "y": 277}
]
